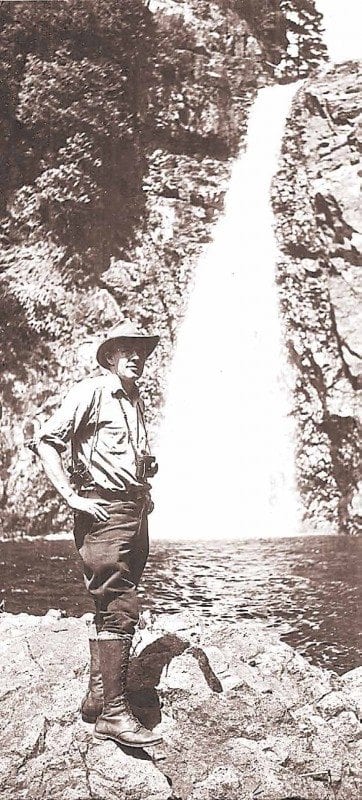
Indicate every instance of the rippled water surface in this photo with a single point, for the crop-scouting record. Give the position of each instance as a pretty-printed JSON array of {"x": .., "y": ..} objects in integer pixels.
[{"x": 308, "y": 588}]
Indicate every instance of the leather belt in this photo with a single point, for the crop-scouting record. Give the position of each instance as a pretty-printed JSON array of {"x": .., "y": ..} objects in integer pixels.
[{"x": 113, "y": 495}]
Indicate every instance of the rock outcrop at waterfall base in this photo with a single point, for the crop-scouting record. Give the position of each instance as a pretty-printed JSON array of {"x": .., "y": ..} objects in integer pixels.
[
  {"x": 316, "y": 198},
  {"x": 242, "y": 715}
]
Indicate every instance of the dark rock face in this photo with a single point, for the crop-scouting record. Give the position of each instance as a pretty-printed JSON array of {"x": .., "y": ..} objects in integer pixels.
[
  {"x": 241, "y": 714},
  {"x": 316, "y": 200}
]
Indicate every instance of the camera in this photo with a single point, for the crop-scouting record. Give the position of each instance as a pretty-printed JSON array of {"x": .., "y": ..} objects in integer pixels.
[
  {"x": 146, "y": 466},
  {"x": 80, "y": 476}
]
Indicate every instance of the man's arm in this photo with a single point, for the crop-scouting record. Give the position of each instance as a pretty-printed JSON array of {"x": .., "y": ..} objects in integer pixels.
[
  {"x": 53, "y": 468},
  {"x": 51, "y": 441}
]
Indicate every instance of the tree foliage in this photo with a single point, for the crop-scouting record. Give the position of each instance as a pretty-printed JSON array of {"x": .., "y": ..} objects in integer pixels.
[
  {"x": 306, "y": 49},
  {"x": 267, "y": 22},
  {"x": 290, "y": 31},
  {"x": 75, "y": 79}
]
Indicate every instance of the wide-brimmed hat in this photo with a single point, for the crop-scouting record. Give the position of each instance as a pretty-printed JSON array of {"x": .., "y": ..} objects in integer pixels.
[{"x": 125, "y": 332}]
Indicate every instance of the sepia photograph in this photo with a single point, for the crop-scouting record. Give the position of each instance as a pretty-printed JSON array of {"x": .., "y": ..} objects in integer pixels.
[{"x": 180, "y": 407}]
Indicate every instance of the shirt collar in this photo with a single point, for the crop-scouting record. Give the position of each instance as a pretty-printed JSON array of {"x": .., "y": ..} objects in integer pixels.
[{"x": 116, "y": 388}]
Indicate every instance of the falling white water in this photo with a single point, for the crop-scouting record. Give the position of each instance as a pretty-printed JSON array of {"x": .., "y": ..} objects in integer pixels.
[{"x": 226, "y": 448}]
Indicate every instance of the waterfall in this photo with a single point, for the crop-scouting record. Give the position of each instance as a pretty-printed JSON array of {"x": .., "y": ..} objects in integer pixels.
[{"x": 226, "y": 447}]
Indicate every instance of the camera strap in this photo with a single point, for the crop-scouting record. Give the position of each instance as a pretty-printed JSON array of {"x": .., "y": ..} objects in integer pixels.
[
  {"x": 130, "y": 434},
  {"x": 139, "y": 408}
]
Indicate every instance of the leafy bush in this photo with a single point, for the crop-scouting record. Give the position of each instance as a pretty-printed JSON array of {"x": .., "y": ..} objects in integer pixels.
[{"x": 76, "y": 77}]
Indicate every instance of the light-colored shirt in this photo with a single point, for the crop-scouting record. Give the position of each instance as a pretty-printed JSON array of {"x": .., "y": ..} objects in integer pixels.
[{"x": 105, "y": 428}]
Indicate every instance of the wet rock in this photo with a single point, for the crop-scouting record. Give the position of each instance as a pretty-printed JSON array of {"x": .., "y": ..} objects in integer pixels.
[{"x": 241, "y": 714}]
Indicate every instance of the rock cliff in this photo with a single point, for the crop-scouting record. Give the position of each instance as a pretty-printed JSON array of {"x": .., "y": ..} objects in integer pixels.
[
  {"x": 242, "y": 715},
  {"x": 318, "y": 217}
]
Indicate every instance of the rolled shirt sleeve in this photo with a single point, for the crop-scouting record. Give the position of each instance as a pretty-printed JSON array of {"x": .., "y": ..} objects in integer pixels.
[
  {"x": 62, "y": 425},
  {"x": 106, "y": 430}
]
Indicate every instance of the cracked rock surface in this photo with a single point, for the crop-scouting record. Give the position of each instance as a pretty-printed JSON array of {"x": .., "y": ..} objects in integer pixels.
[
  {"x": 316, "y": 198},
  {"x": 242, "y": 716}
]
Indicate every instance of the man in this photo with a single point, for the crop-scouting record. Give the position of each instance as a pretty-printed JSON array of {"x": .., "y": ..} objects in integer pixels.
[{"x": 102, "y": 417}]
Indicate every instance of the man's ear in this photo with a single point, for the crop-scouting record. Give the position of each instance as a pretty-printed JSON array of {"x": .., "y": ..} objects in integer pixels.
[{"x": 109, "y": 357}]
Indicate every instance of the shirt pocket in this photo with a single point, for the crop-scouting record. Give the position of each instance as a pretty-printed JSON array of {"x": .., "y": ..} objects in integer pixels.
[
  {"x": 113, "y": 440},
  {"x": 113, "y": 431}
]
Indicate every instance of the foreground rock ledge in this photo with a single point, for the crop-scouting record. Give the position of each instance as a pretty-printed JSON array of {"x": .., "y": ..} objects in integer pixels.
[{"x": 243, "y": 716}]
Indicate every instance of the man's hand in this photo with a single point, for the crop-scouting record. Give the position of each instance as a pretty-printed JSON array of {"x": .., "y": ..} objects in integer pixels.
[
  {"x": 53, "y": 467},
  {"x": 96, "y": 508}
]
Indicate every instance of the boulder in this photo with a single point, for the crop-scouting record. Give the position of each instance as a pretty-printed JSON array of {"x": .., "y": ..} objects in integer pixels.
[{"x": 242, "y": 716}]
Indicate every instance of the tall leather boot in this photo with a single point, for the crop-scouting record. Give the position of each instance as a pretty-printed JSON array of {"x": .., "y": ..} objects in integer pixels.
[
  {"x": 92, "y": 703},
  {"x": 117, "y": 720}
]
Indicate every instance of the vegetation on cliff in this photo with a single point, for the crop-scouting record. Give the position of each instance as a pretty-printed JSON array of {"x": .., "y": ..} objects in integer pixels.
[
  {"x": 85, "y": 89},
  {"x": 306, "y": 49},
  {"x": 75, "y": 115},
  {"x": 290, "y": 31}
]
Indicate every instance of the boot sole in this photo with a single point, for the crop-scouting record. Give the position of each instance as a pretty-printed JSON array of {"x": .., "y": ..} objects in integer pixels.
[{"x": 118, "y": 740}]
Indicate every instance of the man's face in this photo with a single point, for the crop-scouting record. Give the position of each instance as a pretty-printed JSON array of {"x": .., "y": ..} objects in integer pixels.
[{"x": 128, "y": 361}]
